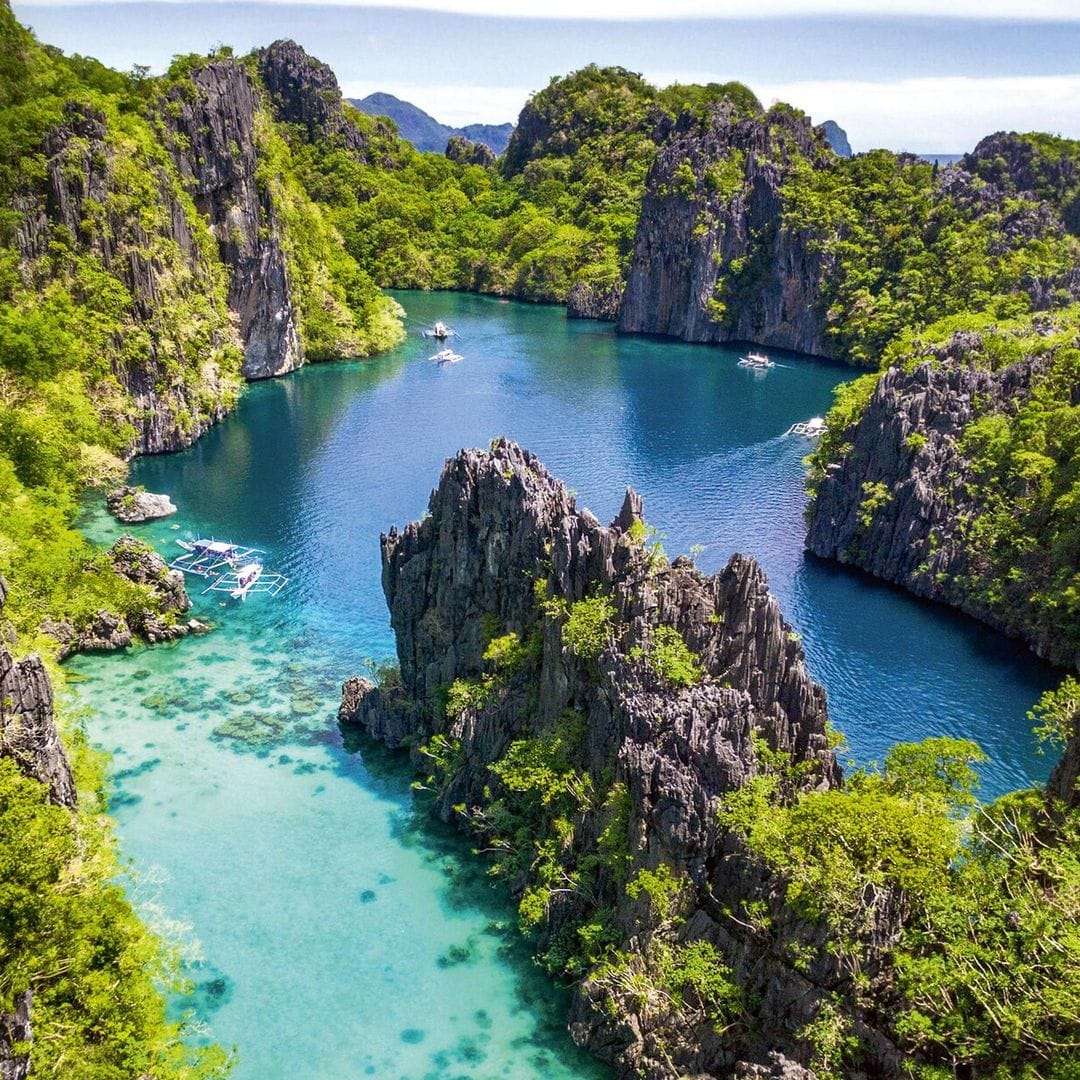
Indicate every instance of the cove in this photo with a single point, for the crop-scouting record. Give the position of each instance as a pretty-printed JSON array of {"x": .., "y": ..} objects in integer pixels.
[{"x": 341, "y": 933}]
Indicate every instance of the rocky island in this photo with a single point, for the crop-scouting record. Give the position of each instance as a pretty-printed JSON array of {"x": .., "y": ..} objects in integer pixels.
[{"x": 614, "y": 730}]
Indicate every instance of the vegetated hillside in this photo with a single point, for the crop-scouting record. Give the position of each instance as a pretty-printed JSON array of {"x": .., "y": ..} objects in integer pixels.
[
  {"x": 640, "y": 754},
  {"x": 560, "y": 212},
  {"x": 424, "y": 131},
  {"x": 1046, "y": 166},
  {"x": 156, "y": 247}
]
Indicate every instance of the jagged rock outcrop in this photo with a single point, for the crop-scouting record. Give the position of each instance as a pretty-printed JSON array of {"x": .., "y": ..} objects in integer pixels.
[
  {"x": 133, "y": 505},
  {"x": 712, "y": 200},
  {"x": 595, "y": 300},
  {"x": 903, "y": 500},
  {"x": 15, "y": 1029},
  {"x": 1039, "y": 167},
  {"x": 212, "y": 117},
  {"x": 167, "y": 400},
  {"x": 504, "y": 549},
  {"x": 305, "y": 91},
  {"x": 28, "y": 732},
  {"x": 158, "y": 620},
  {"x": 464, "y": 151}
]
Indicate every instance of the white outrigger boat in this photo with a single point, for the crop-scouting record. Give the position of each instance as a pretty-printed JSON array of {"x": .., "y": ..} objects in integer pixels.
[
  {"x": 228, "y": 567},
  {"x": 759, "y": 361},
  {"x": 440, "y": 330},
  {"x": 811, "y": 428},
  {"x": 446, "y": 356}
]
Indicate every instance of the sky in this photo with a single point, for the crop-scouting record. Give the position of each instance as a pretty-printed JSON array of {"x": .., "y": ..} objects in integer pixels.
[{"x": 893, "y": 73}]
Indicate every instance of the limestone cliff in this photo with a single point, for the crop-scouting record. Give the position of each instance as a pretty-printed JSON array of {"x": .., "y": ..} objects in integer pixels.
[
  {"x": 902, "y": 497},
  {"x": 647, "y": 756},
  {"x": 712, "y": 213},
  {"x": 304, "y": 91},
  {"x": 466, "y": 152},
  {"x": 1039, "y": 166},
  {"x": 212, "y": 117},
  {"x": 28, "y": 732},
  {"x": 87, "y": 204}
]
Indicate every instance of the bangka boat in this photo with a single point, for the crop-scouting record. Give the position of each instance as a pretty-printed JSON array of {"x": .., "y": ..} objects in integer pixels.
[
  {"x": 440, "y": 330},
  {"x": 811, "y": 428},
  {"x": 246, "y": 577},
  {"x": 756, "y": 360},
  {"x": 446, "y": 356},
  {"x": 208, "y": 557},
  {"x": 228, "y": 567}
]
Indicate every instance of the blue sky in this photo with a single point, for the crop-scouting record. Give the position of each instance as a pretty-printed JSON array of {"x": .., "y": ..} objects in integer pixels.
[{"x": 912, "y": 81}]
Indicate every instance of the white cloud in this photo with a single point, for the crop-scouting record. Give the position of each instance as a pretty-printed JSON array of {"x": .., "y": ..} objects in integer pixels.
[
  {"x": 450, "y": 104},
  {"x": 940, "y": 114},
  {"x": 1058, "y": 10}
]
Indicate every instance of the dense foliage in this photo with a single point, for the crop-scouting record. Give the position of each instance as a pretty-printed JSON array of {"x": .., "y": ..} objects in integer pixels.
[
  {"x": 69, "y": 322},
  {"x": 986, "y": 965},
  {"x": 906, "y": 245}
]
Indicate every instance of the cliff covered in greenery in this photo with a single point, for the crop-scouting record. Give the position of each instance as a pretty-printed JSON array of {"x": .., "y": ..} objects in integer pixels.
[
  {"x": 955, "y": 474},
  {"x": 156, "y": 248},
  {"x": 639, "y": 752}
]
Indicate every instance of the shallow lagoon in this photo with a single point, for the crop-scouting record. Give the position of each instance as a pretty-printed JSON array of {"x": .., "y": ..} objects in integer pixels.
[{"x": 342, "y": 933}]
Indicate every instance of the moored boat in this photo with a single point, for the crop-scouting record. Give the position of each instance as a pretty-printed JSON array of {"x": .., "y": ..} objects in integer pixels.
[{"x": 756, "y": 360}]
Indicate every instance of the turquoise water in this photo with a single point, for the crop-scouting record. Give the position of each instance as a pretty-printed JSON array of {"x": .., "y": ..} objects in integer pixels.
[{"x": 342, "y": 933}]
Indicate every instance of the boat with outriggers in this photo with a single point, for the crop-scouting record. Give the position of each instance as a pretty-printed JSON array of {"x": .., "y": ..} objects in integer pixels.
[
  {"x": 227, "y": 567},
  {"x": 757, "y": 361},
  {"x": 811, "y": 428},
  {"x": 440, "y": 331},
  {"x": 446, "y": 356}
]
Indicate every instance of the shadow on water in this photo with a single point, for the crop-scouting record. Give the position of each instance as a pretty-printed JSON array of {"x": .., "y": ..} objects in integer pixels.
[{"x": 469, "y": 888}]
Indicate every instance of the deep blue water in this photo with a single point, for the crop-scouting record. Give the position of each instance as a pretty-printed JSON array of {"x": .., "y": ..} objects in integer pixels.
[{"x": 341, "y": 934}]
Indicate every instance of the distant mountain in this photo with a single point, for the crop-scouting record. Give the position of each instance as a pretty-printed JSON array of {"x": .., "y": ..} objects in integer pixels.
[
  {"x": 424, "y": 131},
  {"x": 836, "y": 137},
  {"x": 940, "y": 159}
]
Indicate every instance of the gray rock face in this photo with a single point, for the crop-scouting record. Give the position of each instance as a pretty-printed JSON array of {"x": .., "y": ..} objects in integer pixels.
[
  {"x": 216, "y": 154},
  {"x": 466, "y": 152},
  {"x": 498, "y": 523},
  {"x": 15, "y": 1028},
  {"x": 898, "y": 503},
  {"x": 1064, "y": 783},
  {"x": 170, "y": 402},
  {"x": 590, "y": 300},
  {"x": 28, "y": 733},
  {"x": 305, "y": 91},
  {"x": 695, "y": 224},
  {"x": 132, "y": 505}
]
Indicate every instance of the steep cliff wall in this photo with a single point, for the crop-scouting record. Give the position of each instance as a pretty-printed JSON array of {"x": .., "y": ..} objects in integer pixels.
[
  {"x": 213, "y": 118},
  {"x": 711, "y": 216},
  {"x": 586, "y": 708},
  {"x": 28, "y": 732},
  {"x": 115, "y": 202},
  {"x": 927, "y": 489}
]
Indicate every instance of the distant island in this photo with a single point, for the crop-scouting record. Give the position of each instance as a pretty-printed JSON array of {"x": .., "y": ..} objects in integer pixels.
[{"x": 424, "y": 131}]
